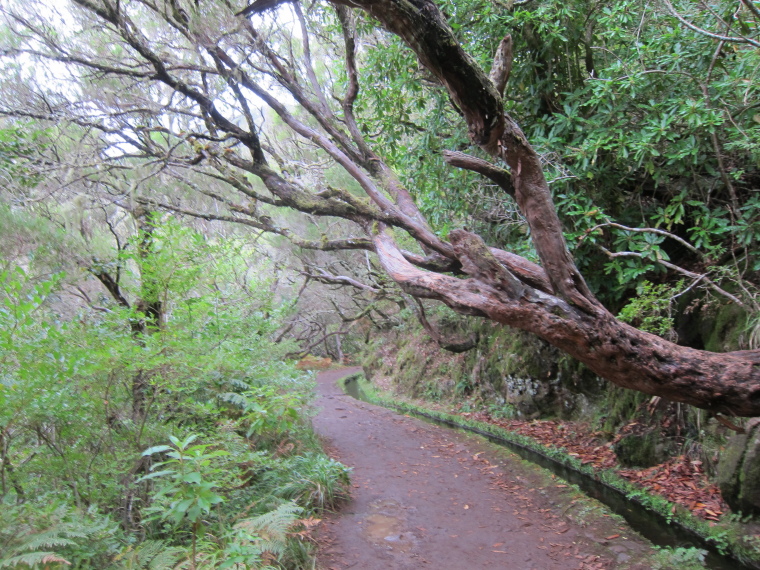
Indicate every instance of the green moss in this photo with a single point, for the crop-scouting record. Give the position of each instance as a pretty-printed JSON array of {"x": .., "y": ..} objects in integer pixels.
[
  {"x": 410, "y": 369},
  {"x": 370, "y": 360},
  {"x": 618, "y": 407},
  {"x": 641, "y": 450},
  {"x": 730, "y": 465},
  {"x": 723, "y": 332},
  {"x": 508, "y": 367},
  {"x": 750, "y": 476}
]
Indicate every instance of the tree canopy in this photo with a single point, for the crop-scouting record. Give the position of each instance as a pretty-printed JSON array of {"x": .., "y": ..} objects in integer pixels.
[{"x": 630, "y": 129}]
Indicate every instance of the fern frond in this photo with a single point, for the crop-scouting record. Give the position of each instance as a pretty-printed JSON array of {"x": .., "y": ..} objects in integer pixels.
[
  {"x": 275, "y": 547},
  {"x": 234, "y": 399},
  {"x": 147, "y": 551},
  {"x": 240, "y": 384},
  {"x": 30, "y": 548},
  {"x": 273, "y": 526},
  {"x": 166, "y": 559},
  {"x": 150, "y": 555},
  {"x": 32, "y": 559},
  {"x": 50, "y": 539}
]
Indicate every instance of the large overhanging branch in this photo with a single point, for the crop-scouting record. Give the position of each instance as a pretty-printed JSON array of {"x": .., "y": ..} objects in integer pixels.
[
  {"x": 721, "y": 382},
  {"x": 421, "y": 25},
  {"x": 569, "y": 318}
]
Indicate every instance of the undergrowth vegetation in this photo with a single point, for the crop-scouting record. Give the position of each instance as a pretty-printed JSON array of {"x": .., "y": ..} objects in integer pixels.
[{"x": 130, "y": 441}]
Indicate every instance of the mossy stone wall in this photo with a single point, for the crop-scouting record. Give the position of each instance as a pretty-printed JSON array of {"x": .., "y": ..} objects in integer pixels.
[
  {"x": 508, "y": 368},
  {"x": 739, "y": 470}
]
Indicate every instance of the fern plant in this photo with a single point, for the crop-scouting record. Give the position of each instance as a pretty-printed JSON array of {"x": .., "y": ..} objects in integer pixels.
[
  {"x": 314, "y": 480},
  {"x": 150, "y": 555},
  {"x": 69, "y": 536},
  {"x": 33, "y": 560},
  {"x": 256, "y": 543}
]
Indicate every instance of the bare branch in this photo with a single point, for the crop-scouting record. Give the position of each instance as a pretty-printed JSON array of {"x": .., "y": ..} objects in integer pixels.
[
  {"x": 752, "y": 7},
  {"x": 500, "y": 176},
  {"x": 655, "y": 231},
  {"x": 319, "y": 274},
  {"x": 320, "y": 340},
  {"x": 264, "y": 224},
  {"x": 110, "y": 284},
  {"x": 312, "y": 77},
  {"x": 455, "y": 346},
  {"x": 688, "y": 24},
  {"x": 699, "y": 277},
  {"x": 348, "y": 25}
]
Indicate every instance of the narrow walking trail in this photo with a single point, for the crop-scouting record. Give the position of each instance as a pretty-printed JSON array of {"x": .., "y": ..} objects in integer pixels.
[{"x": 428, "y": 497}]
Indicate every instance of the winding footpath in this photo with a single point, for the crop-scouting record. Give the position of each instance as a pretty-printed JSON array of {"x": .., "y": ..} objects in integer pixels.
[{"x": 428, "y": 497}]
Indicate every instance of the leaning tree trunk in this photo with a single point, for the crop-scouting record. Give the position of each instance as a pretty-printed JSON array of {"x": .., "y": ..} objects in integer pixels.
[
  {"x": 565, "y": 313},
  {"x": 148, "y": 306},
  {"x": 720, "y": 382}
]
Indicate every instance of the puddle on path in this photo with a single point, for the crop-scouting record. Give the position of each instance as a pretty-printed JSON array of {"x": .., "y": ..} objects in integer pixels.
[{"x": 385, "y": 526}]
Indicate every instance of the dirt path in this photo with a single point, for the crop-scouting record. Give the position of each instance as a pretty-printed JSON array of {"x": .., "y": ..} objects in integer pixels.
[{"x": 427, "y": 497}]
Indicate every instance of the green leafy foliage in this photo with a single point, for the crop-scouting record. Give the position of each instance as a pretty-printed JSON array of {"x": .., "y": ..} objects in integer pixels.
[
  {"x": 36, "y": 535},
  {"x": 315, "y": 480},
  {"x": 685, "y": 558},
  {"x": 265, "y": 411},
  {"x": 72, "y": 434},
  {"x": 150, "y": 555},
  {"x": 641, "y": 121},
  {"x": 185, "y": 480},
  {"x": 651, "y": 310},
  {"x": 20, "y": 145},
  {"x": 256, "y": 542}
]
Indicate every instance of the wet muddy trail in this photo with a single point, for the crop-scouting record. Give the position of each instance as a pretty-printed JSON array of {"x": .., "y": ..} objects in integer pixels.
[{"x": 427, "y": 497}]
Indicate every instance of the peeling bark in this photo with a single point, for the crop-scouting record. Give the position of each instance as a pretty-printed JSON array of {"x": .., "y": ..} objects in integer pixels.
[{"x": 502, "y": 65}]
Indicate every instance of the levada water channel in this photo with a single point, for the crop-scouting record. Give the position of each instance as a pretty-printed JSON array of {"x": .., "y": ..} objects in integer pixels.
[{"x": 651, "y": 525}]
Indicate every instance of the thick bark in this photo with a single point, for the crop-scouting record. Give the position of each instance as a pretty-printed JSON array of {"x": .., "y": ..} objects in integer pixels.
[
  {"x": 720, "y": 382},
  {"x": 422, "y": 26},
  {"x": 566, "y": 313},
  {"x": 502, "y": 65},
  {"x": 502, "y": 177}
]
